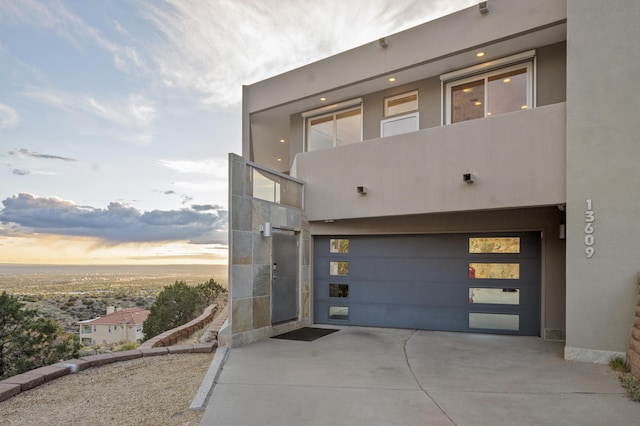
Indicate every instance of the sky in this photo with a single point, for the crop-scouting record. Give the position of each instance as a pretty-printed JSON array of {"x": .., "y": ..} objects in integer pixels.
[{"x": 117, "y": 117}]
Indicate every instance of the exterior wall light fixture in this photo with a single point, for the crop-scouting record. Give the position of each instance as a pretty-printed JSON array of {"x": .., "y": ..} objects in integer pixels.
[
  {"x": 468, "y": 178},
  {"x": 384, "y": 43},
  {"x": 266, "y": 229},
  {"x": 362, "y": 190},
  {"x": 484, "y": 7}
]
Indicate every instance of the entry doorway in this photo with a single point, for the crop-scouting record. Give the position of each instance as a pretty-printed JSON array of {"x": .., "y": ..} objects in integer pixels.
[{"x": 284, "y": 277}]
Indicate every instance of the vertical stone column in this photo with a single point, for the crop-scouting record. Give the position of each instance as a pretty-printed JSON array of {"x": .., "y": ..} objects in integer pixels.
[{"x": 633, "y": 356}]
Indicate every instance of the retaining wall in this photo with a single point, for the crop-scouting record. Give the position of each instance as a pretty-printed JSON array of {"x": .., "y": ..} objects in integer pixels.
[
  {"x": 161, "y": 345},
  {"x": 633, "y": 356}
]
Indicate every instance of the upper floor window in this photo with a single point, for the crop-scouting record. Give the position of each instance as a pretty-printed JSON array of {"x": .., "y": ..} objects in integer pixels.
[
  {"x": 488, "y": 89},
  {"x": 340, "y": 124},
  {"x": 401, "y": 104},
  {"x": 402, "y": 113}
]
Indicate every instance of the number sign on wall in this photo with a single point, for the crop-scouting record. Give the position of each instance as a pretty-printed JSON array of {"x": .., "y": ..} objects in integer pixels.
[{"x": 589, "y": 238}]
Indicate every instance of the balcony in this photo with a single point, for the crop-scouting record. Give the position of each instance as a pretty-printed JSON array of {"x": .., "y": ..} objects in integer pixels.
[{"x": 517, "y": 159}]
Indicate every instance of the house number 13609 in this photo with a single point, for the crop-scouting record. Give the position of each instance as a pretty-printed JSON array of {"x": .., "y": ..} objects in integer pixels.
[{"x": 589, "y": 239}]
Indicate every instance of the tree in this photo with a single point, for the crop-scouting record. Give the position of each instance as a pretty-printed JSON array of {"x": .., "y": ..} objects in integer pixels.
[
  {"x": 209, "y": 291},
  {"x": 28, "y": 341},
  {"x": 175, "y": 305},
  {"x": 178, "y": 304}
]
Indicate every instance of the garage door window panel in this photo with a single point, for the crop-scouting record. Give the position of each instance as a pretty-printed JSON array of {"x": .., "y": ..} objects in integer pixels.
[
  {"x": 339, "y": 290},
  {"x": 339, "y": 245},
  {"x": 498, "y": 296},
  {"x": 494, "y": 245},
  {"x": 494, "y": 271},
  {"x": 485, "y": 321},
  {"x": 339, "y": 312},
  {"x": 340, "y": 268}
]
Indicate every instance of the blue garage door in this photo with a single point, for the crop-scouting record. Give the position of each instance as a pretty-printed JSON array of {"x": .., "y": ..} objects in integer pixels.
[{"x": 455, "y": 282}]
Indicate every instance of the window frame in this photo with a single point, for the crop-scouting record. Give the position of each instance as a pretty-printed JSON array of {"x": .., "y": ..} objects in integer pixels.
[
  {"x": 400, "y": 96},
  {"x": 331, "y": 111},
  {"x": 485, "y": 71}
]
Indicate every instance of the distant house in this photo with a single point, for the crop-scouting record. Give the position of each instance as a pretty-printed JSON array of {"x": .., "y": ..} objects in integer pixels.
[{"x": 119, "y": 325}]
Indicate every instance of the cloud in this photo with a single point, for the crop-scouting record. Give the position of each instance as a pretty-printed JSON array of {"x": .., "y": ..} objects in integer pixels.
[
  {"x": 205, "y": 207},
  {"x": 116, "y": 224},
  {"x": 212, "y": 47},
  {"x": 25, "y": 152},
  {"x": 25, "y": 172},
  {"x": 134, "y": 116},
  {"x": 211, "y": 166},
  {"x": 55, "y": 17},
  {"x": 8, "y": 117}
]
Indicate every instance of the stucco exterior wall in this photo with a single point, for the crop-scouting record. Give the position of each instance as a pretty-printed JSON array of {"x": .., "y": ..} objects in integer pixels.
[
  {"x": 603, "y": 150},
  {"x": 108, "y": 333},
  {"x": 518, "y": 160}
]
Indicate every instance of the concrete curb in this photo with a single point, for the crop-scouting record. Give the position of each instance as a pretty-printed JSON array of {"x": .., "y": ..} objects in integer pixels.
[{"x": 199, "y": 402}]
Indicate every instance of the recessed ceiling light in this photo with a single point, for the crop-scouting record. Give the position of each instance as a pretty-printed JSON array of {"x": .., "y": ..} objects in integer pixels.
[
  {"x": 480, "y": 54},
  {"x": 506, "y": 80},
  {"x": 467, "y": 90},
  {"x": 281, "y": 140},
  {"x": 392, "y": 79},
  {"x": 279, "y": 159},
  {"x": 477, "y": 103},
  {"x": 523, "y": 107},
  {"x": 323, "y": 99},
  {"x": 488, "y": 113}
]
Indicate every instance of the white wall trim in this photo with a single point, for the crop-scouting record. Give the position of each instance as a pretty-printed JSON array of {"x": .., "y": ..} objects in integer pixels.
[
  {"x": 590, "y": 355},
  {"x": 487, "y": 66},
  {"x": 332, "y": 107}
]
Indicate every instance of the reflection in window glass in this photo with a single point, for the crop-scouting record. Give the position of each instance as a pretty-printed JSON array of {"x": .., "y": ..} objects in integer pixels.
[
  {"x": 494, "y": 245},
  {"x": 467, "y": 101},
  {"x": 270, "y": 187},
  {"x": 338, "y": 268},
  {"x": 494, "y": 321},
  {"x": 334, "y": 129},
  {"x": 321, "y": 133},
  {"x": 496, "y": 271},
  {"x": 265, "y": 188},
  {"x": 339, "y": 312},
  {"x": 348, "y": 127},
  {"x": 507, "y": 92},
  {"x": 339, "y": 246},
  {"x": 338, "y": 290},
  {"x": 500, "y": 296},
  {"x": 492, "y": 93}
]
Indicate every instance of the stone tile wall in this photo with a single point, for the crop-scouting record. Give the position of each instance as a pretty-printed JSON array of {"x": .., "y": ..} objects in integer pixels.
[{"x": 250, "y": 260}]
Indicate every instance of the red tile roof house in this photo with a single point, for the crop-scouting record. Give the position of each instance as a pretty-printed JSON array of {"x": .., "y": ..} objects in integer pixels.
[{"x": 119, "y": 325}]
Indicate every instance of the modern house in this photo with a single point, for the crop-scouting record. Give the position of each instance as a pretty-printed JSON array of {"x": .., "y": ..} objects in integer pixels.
[
  {"x": 477, "y": 173},
  {"x": 119, "y": 325}
]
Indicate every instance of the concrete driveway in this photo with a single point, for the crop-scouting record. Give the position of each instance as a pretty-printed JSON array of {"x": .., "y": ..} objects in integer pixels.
[{"x": 373, "y": 376}]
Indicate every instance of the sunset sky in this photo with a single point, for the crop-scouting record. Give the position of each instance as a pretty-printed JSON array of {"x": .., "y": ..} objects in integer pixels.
[{"x": 116, "y": 117}]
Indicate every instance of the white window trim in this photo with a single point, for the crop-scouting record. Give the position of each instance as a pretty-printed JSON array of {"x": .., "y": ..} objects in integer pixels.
[
  {"x": 332, "y": 108},
  {"x": 400, "y": 117},
  {"x": 329, "y": 110},
  {"x": 400, "y": 96},
  {"x": 488, "y": 66},
  {"x": 485, "y": 70}
]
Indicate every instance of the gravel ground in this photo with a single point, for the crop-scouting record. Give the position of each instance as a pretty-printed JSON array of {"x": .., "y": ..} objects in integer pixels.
[{"x": 155, "y": 390}]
